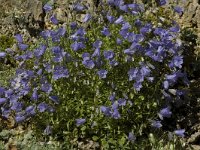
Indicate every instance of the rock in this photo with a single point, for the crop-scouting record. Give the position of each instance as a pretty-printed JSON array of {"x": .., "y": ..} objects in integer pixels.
[
  {"x": 195, "y": 147},
  {"x": 194, "y": 138}
]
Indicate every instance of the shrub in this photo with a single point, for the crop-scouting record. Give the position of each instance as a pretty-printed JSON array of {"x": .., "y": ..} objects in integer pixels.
[{"x": 106, "y": 82}]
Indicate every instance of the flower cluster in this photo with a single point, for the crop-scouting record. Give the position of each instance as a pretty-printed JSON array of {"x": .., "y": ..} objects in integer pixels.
[{"x": 126, "y": 57}]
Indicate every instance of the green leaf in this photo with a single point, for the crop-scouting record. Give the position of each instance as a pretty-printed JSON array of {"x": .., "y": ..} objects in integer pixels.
[
  {"x": 122, "y": 141},
  {"x": 95, "y": 138}
]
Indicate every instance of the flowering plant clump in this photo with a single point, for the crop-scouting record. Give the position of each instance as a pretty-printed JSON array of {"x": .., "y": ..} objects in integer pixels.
[{"x": 106, "y": 79}]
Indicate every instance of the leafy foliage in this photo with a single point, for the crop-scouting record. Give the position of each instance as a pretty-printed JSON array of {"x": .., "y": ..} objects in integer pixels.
[{"x": 112, "y": 80}]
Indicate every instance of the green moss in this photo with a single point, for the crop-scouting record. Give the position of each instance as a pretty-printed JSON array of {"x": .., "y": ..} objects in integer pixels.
[{"x": 6, "y": 42}]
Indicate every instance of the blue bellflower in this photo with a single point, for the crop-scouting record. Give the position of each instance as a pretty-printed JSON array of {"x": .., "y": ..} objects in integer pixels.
[
  {"x": 177, "y": 61},
  {"x": 165, "y": 112},
  {"x": 2, "y": 54},
  {"x": 121, "y": 102},
  {"x": 105, "y": 31},
  {"x": 54, "y": 19},
  {"x": 156, "y": 124},
  {"x": 109, "y": 54},
  {"x": 106, "y": 111},
  {"x": 55, "y": 99},
  {"x": 162, "y": 2},
  {"x": 19, "y": 38},
  {"x": 60, "y": 72},
  {"x": 180, "y": 132},
  {"x": 77, "y": 46},
  {"x": 42, "y": 107},
  {"x": 87, "y": 18},
  {"x": 131, "y": 137},
  {"x": 88, "y": 64},
  {"x": 120, "y": 20},
  {"x": 47, "y": 8},
  {"x": 2, "y": 100},
  {"x": 80, "y": 121},
  {"x": 102, "y": 73},
  {"x": 178, "y": 10},
  {"x": 111, "y": 19}
]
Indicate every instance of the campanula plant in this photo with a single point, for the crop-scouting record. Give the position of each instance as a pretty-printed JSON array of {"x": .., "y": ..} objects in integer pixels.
[{"x": 105, "y": 80}]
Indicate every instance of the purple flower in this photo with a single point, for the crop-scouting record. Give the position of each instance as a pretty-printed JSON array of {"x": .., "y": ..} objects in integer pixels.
[
  {"x": 48, "y": 130},
  {"x": 162, "y": 2},
  {"x": 17, "y": 106},
  {"x": 18, "y": 37},
  {"x": 175, "y": 28},
  {"x": 126, "y": 26},
  {"x": 78, "y": 7},
  {"x": 137, "y": 86},
  {"x": 112, "y": 96},
  {"x": 42, "y": 107},
  {"x": 120, "y": 20},
  {"x": 113, "y": 63},
  {"x": 121, "y": 102},
  {"x": 60, "y": 72},
  {"x": 178, "y": 10},
  {"x": 146, "y": 29},
  {"x": 172, "y": 78},
  {"x": 35, "y": 94},
  {"x": 105, "y": 31},
  {"x": 150, "y": 79},
  {"x": 119, "y": 41},
  {"x": 129, "y": 51},
  {"x": 77, "y": 45},
  {"x": 145, "y": 71},
  {"x": 97, "y": 44},
  {"x": 80, "y": 121},
  {"x": 166, "y": 84},
  {"x": 58, "y": 53},
  {"x": 88, "y": 64},
  {"x": 2, "y": 90},
  {"x": 124, "y": 33},
  {"x": 46, "y": 87},
  {"x": 87, "y": 18},
  {"x": 45, "y": 34},
  {"x": 38, "y": 52},
  {"x": 73, "y": 25},
  {"x": 86, "y": 56},
  {"x": 105, "y": 110},
  {"x": 156, "y": 124},
  {"x": 115, "y": 105},
  {"x": 133, "y": 72},
  {"x": 2, "y": 54},
  {"x": 56, "y": 50},
  {"x": 165, "y": 112},
  {"x": 180, "y": 132},
  {"x": 96, "y": 52},
  {"x": 61, "y": 31},
  {"x": 177, "y": 61},
  {"x": 22, "y": 46},
  {"x": 131, "y": 137},
  {"x": 47, "y": 7},
  {"x": 54, "y": 19},
  {"x": 20, "y": 118},
  {"x": 138, "y": 23},
  {"x": 111, "y": 19},
  {"x": 5, "y": 113},
  {"x": 108, "y": 54},
  {"x": 102, "y": 73},
  {"x": 124, "y": 8},
  {"x": 2, "y": 100},
  {"x": 30, "y": 110},
  {"x": 116, "y": 114},
  {"x": 55, "y": 99}
]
